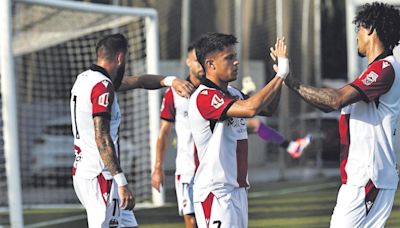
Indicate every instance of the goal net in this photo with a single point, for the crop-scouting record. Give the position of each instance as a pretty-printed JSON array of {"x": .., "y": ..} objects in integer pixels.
[{"x": 52, "y": 46}]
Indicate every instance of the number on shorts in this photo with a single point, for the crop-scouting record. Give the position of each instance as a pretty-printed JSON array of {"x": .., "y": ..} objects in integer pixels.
[{"x": 218, "y": 223}]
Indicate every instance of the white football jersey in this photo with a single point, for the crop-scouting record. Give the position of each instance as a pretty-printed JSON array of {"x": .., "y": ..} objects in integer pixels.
[
  {"x": 368, "y": 128},
  {"x": 174, "y": 108},
  {"x": 221, "y": 142},
  {"x": 92, "y": 95}
]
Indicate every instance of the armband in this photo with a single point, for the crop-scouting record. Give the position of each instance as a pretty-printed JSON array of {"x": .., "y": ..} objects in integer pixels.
[
  {"x": 283, "y": 67},
  {"x": 168, "y": 80},
  {"x": 120, "y": 179}
]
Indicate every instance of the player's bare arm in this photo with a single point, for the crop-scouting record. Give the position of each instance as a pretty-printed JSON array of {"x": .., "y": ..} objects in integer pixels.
[
  {"x": 158, "y": 176},
  {"x": 108, "y": 155},
  {"x": 325, "y": 99},
  {"x": 266, "y": 96},
  {"x": 272, "y": 106},
  {"x": 105, "y": 144},
  {"x": 149, "y": 81}
]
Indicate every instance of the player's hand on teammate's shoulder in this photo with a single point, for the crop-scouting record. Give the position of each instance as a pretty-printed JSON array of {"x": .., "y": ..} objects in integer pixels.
[
  {"x": 183, "y": 87},
  {"x": 127, "y": 199}
]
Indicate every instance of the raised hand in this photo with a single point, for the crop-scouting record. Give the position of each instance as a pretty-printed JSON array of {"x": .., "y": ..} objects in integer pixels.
[{"x": 279, "y": 54}]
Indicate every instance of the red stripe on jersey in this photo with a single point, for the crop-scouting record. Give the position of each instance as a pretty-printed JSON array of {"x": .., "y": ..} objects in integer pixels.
[
  {"x": 168, "y": 106},
  {"x": 211, "y": 103},
  {"x": 344, "y": 124},
  {"x": 102, "y": 97},
  {"x": 242, "y": 162},
  {"x": 105, "y": 187},
  {"x": 376, "y": 80},
  {"x": 207, "y": 205}
]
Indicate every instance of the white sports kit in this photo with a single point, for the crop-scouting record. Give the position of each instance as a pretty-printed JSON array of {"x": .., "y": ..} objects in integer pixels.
[
  {"x": 174, "y": 108},
  {"x": 368, "y": 137},
  {"x": 220, "y": 194},
  {"x": 93, "y": 95}
]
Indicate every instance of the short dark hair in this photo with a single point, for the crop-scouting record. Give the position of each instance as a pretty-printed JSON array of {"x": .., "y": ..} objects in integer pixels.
[
  {"x": 384, "y": 18},
  {"x": 191, "y": 46},
  {"x": 212, "y": 42},
  {"x": 109, "y": 46}
]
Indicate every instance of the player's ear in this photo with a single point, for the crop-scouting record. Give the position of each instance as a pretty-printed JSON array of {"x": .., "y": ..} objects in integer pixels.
[
  {"x": 210, "y": 64},
  {"x": 187, "y": 62},
  {"x": 120, "y": 58},
  {"x": 371, "y": 30}
]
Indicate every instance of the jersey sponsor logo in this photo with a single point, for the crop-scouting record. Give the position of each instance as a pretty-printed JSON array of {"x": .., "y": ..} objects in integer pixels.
[
  {"x": 217, "y": 102},
  {"x": 385, "y": 64},
  {"x": 370, "y": 78},
  {"x": 236, "y": 122},
  {"x": 103, "y": 99}
]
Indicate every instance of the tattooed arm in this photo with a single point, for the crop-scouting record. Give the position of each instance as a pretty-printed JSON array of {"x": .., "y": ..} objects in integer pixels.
[
  {"x": 325, "y": 99},
  {"x": 109, "y": 157},
  {"x": 106, "y": 145}
]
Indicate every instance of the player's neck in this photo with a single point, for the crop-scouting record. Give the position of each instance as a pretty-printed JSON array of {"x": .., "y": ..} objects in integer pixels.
[
  {"x": 221, "y": 84},
  {"x": 374, "y": 50},
  {"x": 110, "y": 67},
  {"x": 193, "y": 79}
]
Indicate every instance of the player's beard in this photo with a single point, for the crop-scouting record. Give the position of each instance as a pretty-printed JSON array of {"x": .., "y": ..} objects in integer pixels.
[
  {"x": 360, "y": 54},
  {"x": 118, "y": 77}
]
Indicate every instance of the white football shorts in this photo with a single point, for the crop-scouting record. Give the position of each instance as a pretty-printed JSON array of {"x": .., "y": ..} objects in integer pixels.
[
  {"x": 229, "y": 211},
  {"x": 362, "y": 206},
  {"x": 184, "y": 196},
  {"x": 101, "y": 201}
]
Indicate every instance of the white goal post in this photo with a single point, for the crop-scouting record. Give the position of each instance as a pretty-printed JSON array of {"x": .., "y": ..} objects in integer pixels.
[
  {"x": 9, "y": 83},
  {"x": 356, "y": 64}
]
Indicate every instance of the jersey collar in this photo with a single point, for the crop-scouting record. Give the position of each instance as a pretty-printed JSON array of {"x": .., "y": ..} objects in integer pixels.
[
  {"x": 383, "y": 55},
  {"x": 211, "y": 84},
  {"x": 100, "y": 69}
]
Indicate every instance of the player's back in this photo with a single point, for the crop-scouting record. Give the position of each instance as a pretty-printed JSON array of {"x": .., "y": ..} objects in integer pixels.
[{"x": 92, "y": 94}]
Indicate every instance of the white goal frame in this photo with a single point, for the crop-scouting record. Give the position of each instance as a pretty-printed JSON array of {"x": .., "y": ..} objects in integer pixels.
[
  {"x": 354, "y": 63},
  {"x": 9, "y": 90}
]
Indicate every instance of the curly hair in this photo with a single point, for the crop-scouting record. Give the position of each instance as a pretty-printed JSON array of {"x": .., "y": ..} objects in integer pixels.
[
  {"x": 210, "y": 43},
  {"x": 384, "y": 18}
]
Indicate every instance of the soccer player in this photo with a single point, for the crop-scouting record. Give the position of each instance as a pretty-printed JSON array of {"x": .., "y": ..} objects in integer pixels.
[
  {"x": 370, "y": 107},
  {"x": 98, "y": 179},
  {"x": 217, "y": 115},
  {"x": 175, "y": 109}
]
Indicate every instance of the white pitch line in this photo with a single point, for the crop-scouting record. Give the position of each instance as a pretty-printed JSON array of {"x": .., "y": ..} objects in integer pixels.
[
  {"x": 292, "y": 190},
  {"x": 57, "y": 221}
]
